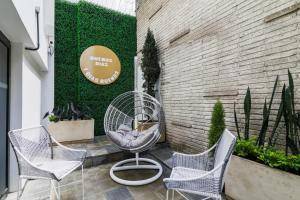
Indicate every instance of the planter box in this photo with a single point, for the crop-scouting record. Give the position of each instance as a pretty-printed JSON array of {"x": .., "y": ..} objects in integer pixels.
[
  {"x": 72, "y": 131},
  {"x": 146, "y": 125},
  {"x": 249, "y": 180}
]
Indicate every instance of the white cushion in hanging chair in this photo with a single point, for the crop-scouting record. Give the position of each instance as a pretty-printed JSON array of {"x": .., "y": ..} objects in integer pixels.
[{"x": 130, "y": 139}]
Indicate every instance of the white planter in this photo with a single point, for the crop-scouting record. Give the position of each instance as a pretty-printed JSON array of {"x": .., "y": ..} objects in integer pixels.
[
  {"x": 249, "y": 180},
  {"x": 72, "y": 131}
]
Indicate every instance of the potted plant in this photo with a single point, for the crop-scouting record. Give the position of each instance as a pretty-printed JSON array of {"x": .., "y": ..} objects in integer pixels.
[
  {"x": 258, "y": 169},
  {"x": 151, "y": 71},
  {"x": 150, "y": 64},
  {"x": 217, "y": 123},
  {"x": 71, "y": 124}
]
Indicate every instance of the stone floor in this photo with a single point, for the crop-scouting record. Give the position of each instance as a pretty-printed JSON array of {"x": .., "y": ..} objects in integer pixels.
[
  {"x": 100, "y": 151},
  {"x": 101, "y": 155},
  {"x": 100, "y": 146},
  {"x": 98, "y": 186}
]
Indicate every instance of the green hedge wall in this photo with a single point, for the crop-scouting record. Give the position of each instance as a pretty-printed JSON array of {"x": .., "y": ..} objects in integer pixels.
[
  {"x": 66, "y": 53},
  {"x": 92, "y": 25}
]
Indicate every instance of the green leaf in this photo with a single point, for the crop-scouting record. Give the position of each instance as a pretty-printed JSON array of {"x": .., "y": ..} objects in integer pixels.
[
  {"x": 268, "y": 156},
  {"x": 278, "y": 119},
  {"x": 291, "y": 86},
  {"x": 247, "y": 110},
  {"x": 266, "y": 116},
  {"x": 236, "y": 122}
]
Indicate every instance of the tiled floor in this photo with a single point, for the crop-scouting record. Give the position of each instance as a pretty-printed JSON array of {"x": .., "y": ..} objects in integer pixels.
[
  {"x": 101, "y": 154},
  {"x": 98, "y": 186},
  {"x": 100, "y": 146}
]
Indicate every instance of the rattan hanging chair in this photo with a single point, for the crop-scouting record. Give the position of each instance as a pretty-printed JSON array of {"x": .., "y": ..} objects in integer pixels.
[{"x": 134, "y": 122}]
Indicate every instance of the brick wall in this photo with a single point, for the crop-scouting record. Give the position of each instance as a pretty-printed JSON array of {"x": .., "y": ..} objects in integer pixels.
[{"x": 225, "y": 47}]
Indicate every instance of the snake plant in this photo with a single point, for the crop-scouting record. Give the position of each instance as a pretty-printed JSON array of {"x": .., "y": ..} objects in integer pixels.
[
  {"x": 247, "y": 110},
  {"x": 291, "y": 119},
  {"x": 266, "y": 115}
]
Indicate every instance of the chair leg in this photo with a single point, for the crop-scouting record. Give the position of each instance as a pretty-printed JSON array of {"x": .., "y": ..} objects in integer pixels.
[
  {"x": 51, "y": 190},
  {"x": 58, "y": 191},
  {"x": 82, "y": 181},
  {"x": 167, "y": 195},
  {"x": 173, "y": 191},
  {"x": 19, "y": 188}
]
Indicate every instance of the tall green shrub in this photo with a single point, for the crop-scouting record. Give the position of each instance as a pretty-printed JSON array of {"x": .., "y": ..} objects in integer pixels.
[
  {"x": 150, "y": 64},
  {"x": 217, "y": 124}
]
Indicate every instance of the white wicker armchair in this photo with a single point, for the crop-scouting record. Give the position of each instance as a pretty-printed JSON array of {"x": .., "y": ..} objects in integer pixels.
[
  {"x": 194, "y": 174},
  {"x": 40, "y": 156}
]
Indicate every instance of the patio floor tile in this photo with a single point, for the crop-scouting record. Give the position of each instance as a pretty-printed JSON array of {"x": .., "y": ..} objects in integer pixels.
[
  {"x": 119, "y": 193},
  {"x": 99, "y": 185}
]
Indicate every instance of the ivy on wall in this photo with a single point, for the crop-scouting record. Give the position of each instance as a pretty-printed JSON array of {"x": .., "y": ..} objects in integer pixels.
[{"x": 79, "y": 26}]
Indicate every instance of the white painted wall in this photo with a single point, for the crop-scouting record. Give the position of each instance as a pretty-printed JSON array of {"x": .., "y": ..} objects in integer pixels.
[
  {"x": 26, "y": 11},
  {"x": 31, "y": 72},
  {"x": 47, "y": 91},
  {"x": 48, "y": 17},
  {"x": 31, "y": 97}
]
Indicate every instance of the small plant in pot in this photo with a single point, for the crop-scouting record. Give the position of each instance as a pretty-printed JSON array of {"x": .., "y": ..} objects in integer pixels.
[
  {"x": 68, "y": 112},
  {"x": 71, "y": 123}
]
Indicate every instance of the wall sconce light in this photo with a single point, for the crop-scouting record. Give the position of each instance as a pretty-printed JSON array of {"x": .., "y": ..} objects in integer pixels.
[{"x": 51, "y": 48}]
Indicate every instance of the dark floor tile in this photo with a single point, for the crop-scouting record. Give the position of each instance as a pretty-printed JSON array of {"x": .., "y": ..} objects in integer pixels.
[
  {"x": 164, "y": 155},
  {"x": 112, "y": 148},
  {"x": 98, "y": 160},
  {"x": 118, "y": 194}
]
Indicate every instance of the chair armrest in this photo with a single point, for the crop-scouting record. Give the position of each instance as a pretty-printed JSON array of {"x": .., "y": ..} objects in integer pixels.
[
  {"x": 65, "y": 153},
  {"x": 206, "y": 183},
  {"x": 194, "y": 161},
  {"x": 29, "y": 169}
]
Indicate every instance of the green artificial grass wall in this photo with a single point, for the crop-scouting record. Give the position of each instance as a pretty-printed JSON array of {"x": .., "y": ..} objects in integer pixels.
[
  {"x": 66, "y": 53},
  {"x": 79, "y": 26}
]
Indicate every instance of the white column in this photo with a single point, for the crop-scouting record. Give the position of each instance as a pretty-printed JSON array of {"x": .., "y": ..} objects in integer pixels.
[
  {"x": 15, "y": 117},
  {"x": 48, "y": 87}
]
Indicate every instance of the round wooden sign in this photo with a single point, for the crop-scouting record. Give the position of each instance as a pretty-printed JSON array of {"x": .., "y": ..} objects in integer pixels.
[{"x": 100, "y": 65}]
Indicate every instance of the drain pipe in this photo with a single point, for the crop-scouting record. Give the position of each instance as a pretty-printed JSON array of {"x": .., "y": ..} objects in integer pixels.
[{"x": 37, "y": 12}]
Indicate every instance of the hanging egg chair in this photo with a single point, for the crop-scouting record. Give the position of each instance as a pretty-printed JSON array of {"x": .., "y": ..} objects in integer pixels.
[{"x": 134, "y": 122}]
